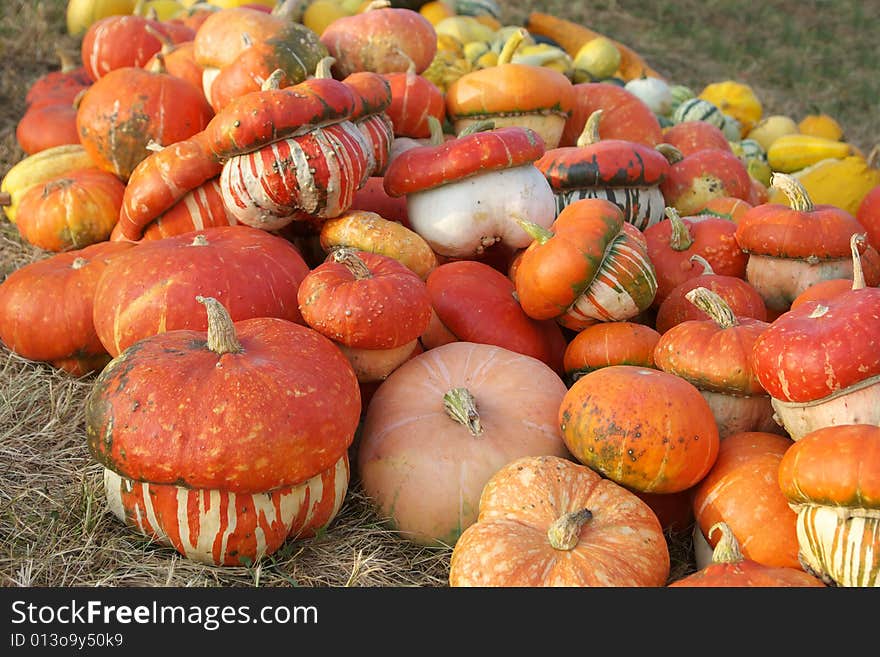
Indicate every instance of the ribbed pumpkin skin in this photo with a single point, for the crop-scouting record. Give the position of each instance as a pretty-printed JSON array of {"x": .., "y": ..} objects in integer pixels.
[
  {"x": 388, "y": 308},
  {"x": 742, "y": 491},
  {"x": 413, "y": 99},
  {"x": 424, "y": 470},
  {"x": 625, "y": 116},
  {"x": 621, "y": 545},
  {"x": 218, "y": 40},
  {"x": 251, "y": 272},
  {"x": 713, "y": 239},
  {"x": 800, "y": 358},
  {"x": 46, "y": 307},
  {"x": 747, "y": 573},
  {"x": 223, "y": 528},
  {"x": 274, "y": 415},
  {"x": 308, "y": 178},
  {"x": 72, "y": 211},
  {"x": 642, "y": 428},
  {"x": 200, "y": 208},
  {"x": 742, "y": 298},
  {"x": 610, "y": 343},
  {"x": 129, "y": 107},
  {"x": 831, "y": 477},
  {"x": 476, "y": 304}
]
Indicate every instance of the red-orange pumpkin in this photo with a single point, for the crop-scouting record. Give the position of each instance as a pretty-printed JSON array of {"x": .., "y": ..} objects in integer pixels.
[{"x": 609, "y": 343}]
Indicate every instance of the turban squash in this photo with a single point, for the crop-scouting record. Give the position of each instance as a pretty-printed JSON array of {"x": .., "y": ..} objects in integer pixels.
[{"x": 225, "y": 478}]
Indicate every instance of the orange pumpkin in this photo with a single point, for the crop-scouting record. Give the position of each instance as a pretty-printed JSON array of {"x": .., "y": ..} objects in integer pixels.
[
  {"x": 730, "y": 568},
  {"x": 645, "y": 429},
  {"x": 609, "y": 343},
  {"x": 742, "y": 491},
  {"x": 545, "y": 521}
]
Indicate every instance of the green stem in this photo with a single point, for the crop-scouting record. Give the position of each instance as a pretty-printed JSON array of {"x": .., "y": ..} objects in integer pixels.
[
  {"x": 700, "y": 260},
  {"x": 537, "y": 232},
  {"x": 461, "y": 406},
  {"x": 437, "y": 137},
  {"x": 680, "y": 237},
  {"x": 670, "y": 152},
  {"x": 478, "y": 126}
]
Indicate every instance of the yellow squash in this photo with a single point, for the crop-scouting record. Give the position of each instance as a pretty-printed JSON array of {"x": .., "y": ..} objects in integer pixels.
[
  {"x": 841, "y": 182},
  {"x": 791, "y": 153},
  {"x": 737, "y": 100}
]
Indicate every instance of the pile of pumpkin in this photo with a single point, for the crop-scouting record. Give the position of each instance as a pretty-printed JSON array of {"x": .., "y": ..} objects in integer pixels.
[{"x": 542, "y": 303}]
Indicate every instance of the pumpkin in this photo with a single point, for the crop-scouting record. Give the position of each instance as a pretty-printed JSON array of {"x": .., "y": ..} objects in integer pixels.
[
  {"x": 692, "y": 136},
  {"x": 442, "y": 424},
  {"x": 364, "y": 300},
  {"x": 368, "y": 231},
  {"x": 511, "y": 94},
  {"x": 730, "y": 568},
  {"x": 59, "y": 86},
  {"x": 735, "y": 99},
  {"x": 742, "y": 491},
  {"x": 46, "y": 308},
  {"x": 671, "y": 244},
  {"x": 790, "y": 248},
  {"x": 624, "y": 115},
  {"x": 162, "y": 179},
  {"x": 697, "y": 178},
  {"x": 152, "y": 288},
  {"x": 413, "y": 99},
  {"x": 589, "y": 266},
  {"x": 124, "y": 41},
  {"x": 868, "y": 215},
  {"x": 38, "y": 168},
  {"x": 834, "y": 286},
  {"x": 626, "y": 173},
  {"x": 381, "y": 39},
  {"x": 293, "y": 49},
  {"x": 473, "y": 302},
  {"x": 372, "y": 197},
  {"x": 728, "y": 207},
  {"x": 178, "y": 59},
  {"x": 465, "y": 195},
  {"x": 219, "y": 39},
  {"x": 128, "y": 108},
  {"x": 246, "y": 452},
  {"x": 643, "y": 428},
  {"x": 609, "y": 343},
  {"x": 814, "y": 377},
  {"x": 545, "y": 521},
  {"x": 715, "y": 355},
  {"x": 742, "y": 298},
  {"x": 831, "y": 478},
  {"x": 71, "y": 211},
  {"x": 46, "y": 126},
  {"x": 373, "y": 98}
]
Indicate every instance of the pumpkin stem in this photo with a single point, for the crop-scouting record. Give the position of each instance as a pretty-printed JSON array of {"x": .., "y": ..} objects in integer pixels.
[
  {"x": 164, "y": 39},
  {"x": 700, "y": 260},
  {"x": 727, "y": 549},
  {"x": 461, "y": 406},
  {"x": 68, "y": 63},
  {"x": 274, "y": 80},
  {"x": 291, "y": 10},
  {"x": 154, "y": 146},
  {"x": 670, "y": 152},
  {"x": 437, "y": 137},
  {"x": 352, "y": 261},
  {"x": 590, "y": 133},
  {"x": 714, "y": 305},
  {"x": 322, "y": 70},
  {"x": 5, "y": 199},
  {"x": 510, "y": 46},
  {"x": 798, "y": 197},
  {"x": 565, "y": 531},
  {"x": 79, "y": 96},
  {"x": 79, "y": 263},
  {"x": 858, "y": 272},
  {"x": 246, "y": 40},
  {"x": 873, "y": 158},
  {"x": 377, "y": 4},
  {"x": 537, "y": 232},
  {"x": 477, "y": 126},
  {"x": 680, "y": 238},
  {"x": 221, "y": 331},
  {"x": 199, "y": 240}
]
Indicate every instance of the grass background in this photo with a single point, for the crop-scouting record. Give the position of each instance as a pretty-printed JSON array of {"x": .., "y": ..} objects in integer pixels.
[{"x": 799, "y": 56}]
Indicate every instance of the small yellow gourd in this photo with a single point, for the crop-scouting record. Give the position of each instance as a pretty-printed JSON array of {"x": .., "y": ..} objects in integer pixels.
[
  {"x": 821, "y": 125},
  {"x": 737, "y": 100},
  {"x": 770, "y": 128},
  {"x": 791, "y": 153}
]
